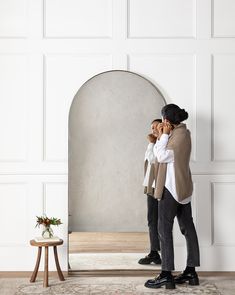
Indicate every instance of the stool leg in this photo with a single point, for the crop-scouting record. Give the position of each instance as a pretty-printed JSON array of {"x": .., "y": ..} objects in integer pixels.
[
  {"x": 60, "y": 274},
  {"x": 35, "y": 272},
  {"x": 45, "y": 281}
]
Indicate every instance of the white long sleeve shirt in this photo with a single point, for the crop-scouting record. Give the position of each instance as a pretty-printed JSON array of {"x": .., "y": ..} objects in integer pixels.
[
  {"x": 149, "y": 156},
  {"x": 164, "y": 155}
]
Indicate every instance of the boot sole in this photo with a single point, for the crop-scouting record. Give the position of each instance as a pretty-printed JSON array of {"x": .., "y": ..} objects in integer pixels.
[
  {"x": 154, "y": 261},
  {"x": 167, "y": 286},
  {"x": 192, "y": 282}
]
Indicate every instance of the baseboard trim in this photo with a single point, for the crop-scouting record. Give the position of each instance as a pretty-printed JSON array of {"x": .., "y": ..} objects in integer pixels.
[{"x": 142, "y": 273}]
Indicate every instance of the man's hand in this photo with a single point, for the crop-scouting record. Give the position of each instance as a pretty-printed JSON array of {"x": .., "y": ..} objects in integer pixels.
[{"x": 151, "y": 138}]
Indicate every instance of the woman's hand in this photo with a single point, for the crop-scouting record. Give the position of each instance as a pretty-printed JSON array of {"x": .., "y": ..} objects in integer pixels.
[
  {"x": 167, "y": 128},
  {"x": 160, "y": 129},
  {"x": 151, "y": 138}
]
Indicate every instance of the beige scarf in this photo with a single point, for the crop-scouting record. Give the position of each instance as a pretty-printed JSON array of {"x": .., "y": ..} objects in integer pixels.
[
  {"x": 149, "y": 190},
  {"x": 180, "y": 143}
]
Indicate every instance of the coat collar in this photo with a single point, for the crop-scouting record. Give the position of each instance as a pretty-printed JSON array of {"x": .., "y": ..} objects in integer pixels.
[{"x": 180, "y": 126}]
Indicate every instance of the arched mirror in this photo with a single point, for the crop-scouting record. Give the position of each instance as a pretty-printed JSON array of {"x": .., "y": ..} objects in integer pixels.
[{"x": 109, "y": 120}]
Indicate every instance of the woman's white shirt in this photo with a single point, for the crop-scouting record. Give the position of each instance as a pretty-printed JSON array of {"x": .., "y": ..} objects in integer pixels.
[{"x": 149, "y": 156}]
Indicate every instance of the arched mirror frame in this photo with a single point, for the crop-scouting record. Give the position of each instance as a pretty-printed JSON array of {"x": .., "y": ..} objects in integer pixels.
[{"x": 73, "y": 160}]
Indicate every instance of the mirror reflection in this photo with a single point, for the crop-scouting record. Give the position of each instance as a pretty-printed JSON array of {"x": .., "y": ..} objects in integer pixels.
[{"x": 109, "y": 121}]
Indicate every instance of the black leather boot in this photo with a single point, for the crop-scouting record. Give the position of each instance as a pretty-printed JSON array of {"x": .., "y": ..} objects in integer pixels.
[
  {"x": 153, "y": 256},
  {"x": 158, "y": 282},
  {"x": 191, "y": 278}
]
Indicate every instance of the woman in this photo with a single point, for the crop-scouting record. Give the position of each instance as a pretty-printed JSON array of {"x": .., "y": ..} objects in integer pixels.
[
  {"x": 152, "y": 203},
  {"x": 174, "y": 190}
]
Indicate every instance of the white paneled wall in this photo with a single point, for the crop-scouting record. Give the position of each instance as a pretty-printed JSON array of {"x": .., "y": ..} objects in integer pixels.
[
  {"x": 49, "y": 48},
  {"x": 63, "y": 75},
  {"x": 222, "y": 103},
  {"x": 78, "y": 19},
  {"x": 14, "y": 72},
  {"x": 223, "y": 215},
  {"x": 162, "y": 18},
  {"x": 223, "y": 18},
  {"x": 171, "y": 71},
  {"x": 13, "y": 23}
]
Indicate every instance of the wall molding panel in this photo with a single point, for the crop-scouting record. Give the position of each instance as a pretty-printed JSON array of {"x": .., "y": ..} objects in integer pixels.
[
  {"x": 77, "y": 19},
  {"x": 222, "y": 73},
  {"x": 59, "y": 92},
  {"x": 56, "y": 193},
  {"x": 14, "y": 76},
  {"x": 162, "y": 19},
  {"x": 14, "y": 193},
  {"x": 222, "y": 213},
  {"x": 223, "y": 14},
  {"x": 13, "y": 20},
  {"x": 154, "y": 67}
]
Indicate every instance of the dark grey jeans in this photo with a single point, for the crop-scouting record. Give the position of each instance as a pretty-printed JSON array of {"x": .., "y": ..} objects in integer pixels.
[
  {"x": 153, "y": 223},
  {"x": 168, "y": 209}
]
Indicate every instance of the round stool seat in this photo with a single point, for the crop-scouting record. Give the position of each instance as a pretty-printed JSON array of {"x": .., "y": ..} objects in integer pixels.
[{"x": 44, "y": 244}]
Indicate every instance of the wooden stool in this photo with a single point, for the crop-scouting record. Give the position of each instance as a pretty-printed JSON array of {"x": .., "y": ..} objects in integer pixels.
[{"x": 46, "y": 245}]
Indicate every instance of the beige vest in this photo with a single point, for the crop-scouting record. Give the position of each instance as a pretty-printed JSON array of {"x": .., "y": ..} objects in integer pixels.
[
  {"x": 149, "y": 190},
  {"x": 180, "y": 143}
]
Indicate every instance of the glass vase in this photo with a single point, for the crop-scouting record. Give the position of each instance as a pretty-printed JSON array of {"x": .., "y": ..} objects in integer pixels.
[{"x": 47, "y": 232}]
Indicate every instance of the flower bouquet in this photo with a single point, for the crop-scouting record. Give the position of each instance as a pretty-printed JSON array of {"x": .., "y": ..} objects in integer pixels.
[{"x": 46, "y": 223}]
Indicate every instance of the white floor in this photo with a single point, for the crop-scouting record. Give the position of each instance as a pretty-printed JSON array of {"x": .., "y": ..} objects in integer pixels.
[{"x": 108, "y": 261}]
